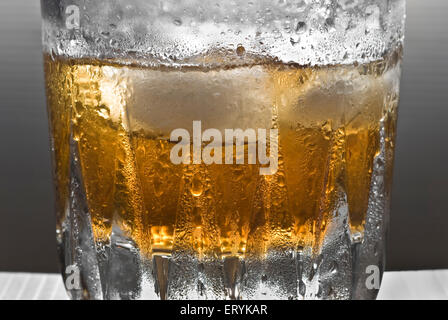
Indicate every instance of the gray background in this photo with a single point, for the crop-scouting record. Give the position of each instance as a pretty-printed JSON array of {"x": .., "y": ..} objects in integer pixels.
[{"x": 419, "y": 220}]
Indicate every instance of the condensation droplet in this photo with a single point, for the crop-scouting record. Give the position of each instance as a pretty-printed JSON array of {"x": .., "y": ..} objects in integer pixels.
[
  {"x": 301, "y": 27},
  {"x": 375, "y": 249},
  {"x": 326, "y": 129},
  {"x": 294, "y": 40},
  {"x": 240, "y": 50},
  {"x": 113, "y": 42},
  {"x": 356, "y": 237},
  {"x": 334, "y": 267},
  {"x": 103, "y": 111},
  {"x": 302, "y": 288},
  {"x": 330, "y": 25}
]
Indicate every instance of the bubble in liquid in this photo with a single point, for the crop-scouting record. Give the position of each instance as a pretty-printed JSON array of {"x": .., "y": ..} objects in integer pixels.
[
  {"x": 196, "y": 188},
  {"x": 281, "y": 179}
]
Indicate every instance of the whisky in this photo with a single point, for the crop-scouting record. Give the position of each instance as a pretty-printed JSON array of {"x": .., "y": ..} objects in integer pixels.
[{"x": 112, "y": 121}]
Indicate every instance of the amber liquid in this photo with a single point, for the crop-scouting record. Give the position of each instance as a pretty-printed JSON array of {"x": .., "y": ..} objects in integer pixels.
[{"x": 116, "y": 120}]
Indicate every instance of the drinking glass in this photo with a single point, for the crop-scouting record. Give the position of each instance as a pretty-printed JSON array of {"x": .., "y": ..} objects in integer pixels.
[{"x": 238, "y": 149}]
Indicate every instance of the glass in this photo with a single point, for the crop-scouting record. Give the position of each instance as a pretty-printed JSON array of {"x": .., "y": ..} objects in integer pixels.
[{"x": 160, "y": 196}]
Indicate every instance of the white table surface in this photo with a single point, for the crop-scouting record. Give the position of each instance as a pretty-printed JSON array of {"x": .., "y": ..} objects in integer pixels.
[{"x": 406, "y": 285}]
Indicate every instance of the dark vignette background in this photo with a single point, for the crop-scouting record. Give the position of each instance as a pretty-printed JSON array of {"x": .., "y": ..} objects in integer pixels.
[{"x": 419, "y": 219}]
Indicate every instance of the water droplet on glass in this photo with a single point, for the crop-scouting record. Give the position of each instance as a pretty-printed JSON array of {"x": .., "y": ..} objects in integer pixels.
[
  {"x": 329, "y": 24},
  {"x": 113, "y": 42},
  {"x": 319, "y": 291},
  {"x": 334, "y": 267},
  {"x": 240, "y": 50},
  {"x": 300, "y": 27},
  {"x": 357, "y": 237},
  {"x": 294, "y": 40},
  {"x": 277, "y": 34},
  {"x": 375, "y": 249},
  {"x": 301, "y": 5},
  {"x": 327, "y": 130},
  {"x": 302, "y": 288},
  {"x": 103, "y": 111}
]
